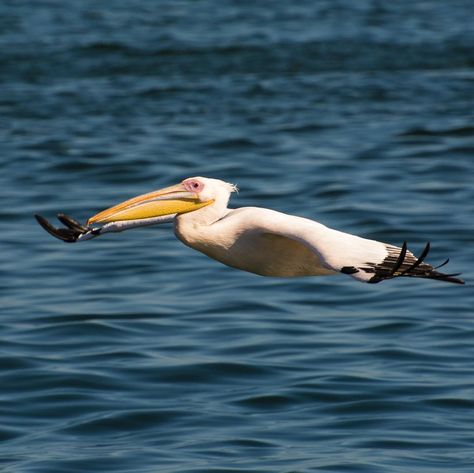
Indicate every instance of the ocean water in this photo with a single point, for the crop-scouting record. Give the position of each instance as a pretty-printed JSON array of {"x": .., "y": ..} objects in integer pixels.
[{"x": 132, "y": 353}]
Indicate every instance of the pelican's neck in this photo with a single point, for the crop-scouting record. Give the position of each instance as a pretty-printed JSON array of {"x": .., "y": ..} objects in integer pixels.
[
  {"x": 203, "y": 216},
  {"x": 192, "y": 228}
]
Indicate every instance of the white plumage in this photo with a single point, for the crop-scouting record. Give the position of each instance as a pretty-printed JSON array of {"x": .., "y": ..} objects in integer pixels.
[{"x": 253, "y": 239}]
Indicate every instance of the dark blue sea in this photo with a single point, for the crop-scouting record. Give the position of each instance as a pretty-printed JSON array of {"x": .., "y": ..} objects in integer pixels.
[{"x": 134, "y": 354}]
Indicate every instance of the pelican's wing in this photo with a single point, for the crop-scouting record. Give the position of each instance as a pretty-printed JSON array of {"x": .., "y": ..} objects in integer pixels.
[
  {"x": 400, "y": 262},
  {"x": 366, "y": 260},
  {"x": 73, "y": 231}
]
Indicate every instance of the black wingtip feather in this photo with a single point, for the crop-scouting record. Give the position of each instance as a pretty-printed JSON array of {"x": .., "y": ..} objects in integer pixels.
[
  {"x": 401, "y": 258},
  {"x": 442, "y": 264},
  {"x": 446, "y": 277},
  {"x": 420, "y": 260},
  {"x": 404, "y": 263},
  {"x": 68, "y": 235},
  {"x": 48, "y": 227},
  {"x": 71, "y": 223}
]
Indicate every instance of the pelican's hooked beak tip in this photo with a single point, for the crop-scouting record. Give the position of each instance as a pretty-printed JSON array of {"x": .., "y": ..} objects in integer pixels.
[{"x": 168, "y": 201}]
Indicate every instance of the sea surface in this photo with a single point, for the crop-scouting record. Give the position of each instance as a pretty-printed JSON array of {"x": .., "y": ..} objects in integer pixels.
[{"x": 134, "y": 354}]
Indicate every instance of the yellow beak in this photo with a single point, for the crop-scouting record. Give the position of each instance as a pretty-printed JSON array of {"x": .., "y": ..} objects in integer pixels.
[{"x": 169, "y": 201}]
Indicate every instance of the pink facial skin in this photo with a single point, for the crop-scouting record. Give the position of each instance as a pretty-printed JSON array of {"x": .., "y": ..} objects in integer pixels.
[{"x": 193, "y": 185}]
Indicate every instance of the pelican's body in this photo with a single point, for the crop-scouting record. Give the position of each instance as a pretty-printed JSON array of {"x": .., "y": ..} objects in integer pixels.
[
  {"x": 253, "y": 239},
  {"x": 252, "y": 247}
]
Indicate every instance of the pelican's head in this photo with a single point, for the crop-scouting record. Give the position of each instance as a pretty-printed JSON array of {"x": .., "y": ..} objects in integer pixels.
[{"x": 190, "y": 195}]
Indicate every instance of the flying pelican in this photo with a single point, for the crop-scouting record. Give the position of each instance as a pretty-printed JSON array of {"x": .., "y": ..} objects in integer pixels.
[{"x": 253, "y": 239}]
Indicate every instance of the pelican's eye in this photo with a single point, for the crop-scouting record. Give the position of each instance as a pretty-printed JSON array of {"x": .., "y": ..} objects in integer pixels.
[{"x": 194, "y": 186}]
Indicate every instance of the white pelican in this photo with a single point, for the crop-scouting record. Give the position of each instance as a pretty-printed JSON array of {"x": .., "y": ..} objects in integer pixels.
[{"x": 253, "y": 239}]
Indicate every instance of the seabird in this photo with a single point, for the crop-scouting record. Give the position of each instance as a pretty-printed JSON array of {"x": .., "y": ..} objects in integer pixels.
[{"x": 253, "y": 239}]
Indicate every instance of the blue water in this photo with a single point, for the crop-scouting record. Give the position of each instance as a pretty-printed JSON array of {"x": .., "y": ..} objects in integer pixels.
[{"x": 132, "y": 353}]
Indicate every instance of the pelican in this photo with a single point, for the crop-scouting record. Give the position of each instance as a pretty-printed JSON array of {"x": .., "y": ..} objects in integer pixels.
[{"x": 253, "y": 239}]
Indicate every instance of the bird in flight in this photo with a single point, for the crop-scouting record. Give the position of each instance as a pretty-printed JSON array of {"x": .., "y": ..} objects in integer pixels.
[{"x": 253, "y": 239}]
